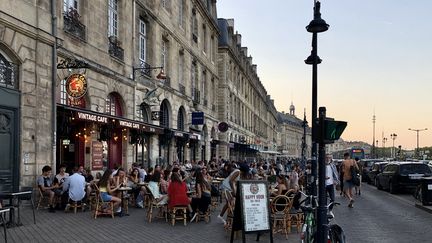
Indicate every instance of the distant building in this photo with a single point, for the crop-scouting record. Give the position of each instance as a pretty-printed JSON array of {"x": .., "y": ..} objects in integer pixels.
[{"x": 291, "y": 134}]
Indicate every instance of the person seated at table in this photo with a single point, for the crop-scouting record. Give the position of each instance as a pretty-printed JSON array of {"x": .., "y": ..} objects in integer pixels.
[
  {"x": 61, "y": 176},
  {"x": 107, "y": 188},
  {"x": 206, "y": 175},
  {"x": 45, "y": 184},
  {"x": 177, "y": 193},
  {"x": 282, "y": 185},
  {"x": 165, "y": 181},
  {"x": 137, "y": 190},
  {"x": 149, "y": 174},
  {"x": 202, "y": 199},
  {"x": 155, "y": 190},
  {"x": 120, "y": 180},
  {"x": 75, "y": 185}
]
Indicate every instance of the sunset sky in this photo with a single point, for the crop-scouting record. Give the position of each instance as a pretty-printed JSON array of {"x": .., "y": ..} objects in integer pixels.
[{"x": 376, "y": 55}]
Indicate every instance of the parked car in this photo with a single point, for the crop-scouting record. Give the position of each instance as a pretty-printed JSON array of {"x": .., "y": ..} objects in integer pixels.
[
  {"x": 366, "y": 165},
  {"x": 402, "y": 175},
  {"x": 377, "y": 168}
]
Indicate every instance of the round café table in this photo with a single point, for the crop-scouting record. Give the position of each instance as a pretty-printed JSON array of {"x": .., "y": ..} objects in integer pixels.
[{"x": 124, "y": 202}]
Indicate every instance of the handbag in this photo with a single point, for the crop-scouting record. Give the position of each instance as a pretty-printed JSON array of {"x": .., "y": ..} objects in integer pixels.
[{"x": 354, "y": 176}]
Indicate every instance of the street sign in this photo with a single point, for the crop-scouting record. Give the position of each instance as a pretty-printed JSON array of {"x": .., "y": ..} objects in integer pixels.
[
  {"x": 333, "y": 129},
  {"x": 198, "y": 118}
]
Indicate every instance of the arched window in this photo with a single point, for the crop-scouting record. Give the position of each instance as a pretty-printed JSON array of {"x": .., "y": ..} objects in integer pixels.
[
  {"x": 112, "y": 105},
  {"x": 164, "y": 116},
  {"x": 8, "y": 73},
  {"x": 143, "y": 113},
  {"x": 180, "y": 119}
]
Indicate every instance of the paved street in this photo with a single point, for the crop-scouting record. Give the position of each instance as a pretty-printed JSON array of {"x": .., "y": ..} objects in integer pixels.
[
  {"x": 59, "y": 227},
  {"x": 379, "y": 216}
]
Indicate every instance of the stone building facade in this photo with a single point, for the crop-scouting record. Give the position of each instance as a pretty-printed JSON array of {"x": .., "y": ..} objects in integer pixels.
[
  {"x": 26, "y": 81},
  {"x": 81, "y": 83},
  {"x": 243, "y": 102},
  {"x": 291, "y": 134},
  {"x": 127, "y": 113}
]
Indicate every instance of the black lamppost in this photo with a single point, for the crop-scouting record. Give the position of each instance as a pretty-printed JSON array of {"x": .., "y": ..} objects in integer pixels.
[{"x": 317, "y": 25}]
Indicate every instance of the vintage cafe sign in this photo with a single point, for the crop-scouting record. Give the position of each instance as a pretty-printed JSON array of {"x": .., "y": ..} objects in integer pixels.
[
  {"x": 91, "y": 117},
  {"x": 76, "y": 85},
  {"x": 129, "y": 124}
]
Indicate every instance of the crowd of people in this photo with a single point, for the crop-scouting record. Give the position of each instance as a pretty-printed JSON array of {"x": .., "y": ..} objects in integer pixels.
[{"x": 189, "y": 184}]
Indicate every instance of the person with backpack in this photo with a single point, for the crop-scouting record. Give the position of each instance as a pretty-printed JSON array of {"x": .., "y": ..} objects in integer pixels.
[{"x": 348, "y": 165}]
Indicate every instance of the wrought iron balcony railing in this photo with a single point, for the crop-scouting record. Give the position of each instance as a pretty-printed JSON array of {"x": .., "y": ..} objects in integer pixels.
[
  {"x": 145, "y": 68},
  {"x": 73, "y": 25},
  {"x": 115, "y": 49}
]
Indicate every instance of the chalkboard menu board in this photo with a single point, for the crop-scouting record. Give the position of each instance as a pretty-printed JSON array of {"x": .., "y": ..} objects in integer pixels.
[
  {"x": 252, "y": 211},
  {"x": 97, "y": 150}
]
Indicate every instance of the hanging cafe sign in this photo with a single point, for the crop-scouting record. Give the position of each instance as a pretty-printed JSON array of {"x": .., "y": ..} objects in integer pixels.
[{"x": 76, "y": 85}]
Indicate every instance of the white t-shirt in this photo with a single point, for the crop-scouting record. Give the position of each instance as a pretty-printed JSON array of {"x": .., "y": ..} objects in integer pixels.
[
  {"x": 329, "y": 175},
  {"x": 61, "y": 178}
]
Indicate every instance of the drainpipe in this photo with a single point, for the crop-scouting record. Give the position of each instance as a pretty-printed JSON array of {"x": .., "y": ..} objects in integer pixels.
[{"x": 53, "y": 85}]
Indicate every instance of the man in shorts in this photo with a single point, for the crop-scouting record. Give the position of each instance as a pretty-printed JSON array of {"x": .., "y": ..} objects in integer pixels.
[
  {"x": 47, "y": 187},
  {"x": 347, "y": 179}
]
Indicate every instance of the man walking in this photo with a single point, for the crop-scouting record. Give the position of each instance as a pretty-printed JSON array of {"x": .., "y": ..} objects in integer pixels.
[
  {"x": 347, "y": 178},
  {"x": 332, "y": 177}
]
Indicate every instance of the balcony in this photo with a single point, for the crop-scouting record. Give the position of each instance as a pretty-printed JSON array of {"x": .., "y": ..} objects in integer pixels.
[
  {"x": 146, "y": 69},
  {"x": 182, "y": 89},
  {"x": 72, "y": 24},
  {"x": 115, "y": 49}
]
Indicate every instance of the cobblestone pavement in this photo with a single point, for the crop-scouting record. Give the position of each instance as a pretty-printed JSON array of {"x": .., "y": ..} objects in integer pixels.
[
  {"x": 81, "y": 227},
  {"x": 381, "y": 217}
]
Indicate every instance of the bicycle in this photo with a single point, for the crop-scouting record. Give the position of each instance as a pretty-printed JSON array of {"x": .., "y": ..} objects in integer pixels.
[{"x": 309, "y": 228}]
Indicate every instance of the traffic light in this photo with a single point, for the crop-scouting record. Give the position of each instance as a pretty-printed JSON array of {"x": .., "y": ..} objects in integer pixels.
[{"x": 333, "y": 130}]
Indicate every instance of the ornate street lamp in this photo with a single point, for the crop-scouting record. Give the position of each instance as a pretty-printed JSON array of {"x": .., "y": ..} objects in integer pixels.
[{"x": 317, "y": 25}]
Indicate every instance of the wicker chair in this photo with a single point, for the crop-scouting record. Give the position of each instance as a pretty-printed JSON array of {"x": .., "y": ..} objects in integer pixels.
[{"x": 102, "y": 207}]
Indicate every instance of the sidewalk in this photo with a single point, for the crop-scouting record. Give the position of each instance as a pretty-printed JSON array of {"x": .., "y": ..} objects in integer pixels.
[
  {"x": 81, "y": 227},
  {"x": 425, "y": 208}
]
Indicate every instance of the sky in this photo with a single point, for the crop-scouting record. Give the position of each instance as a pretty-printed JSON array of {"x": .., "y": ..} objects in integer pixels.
[{"x": 376, "y": 55}]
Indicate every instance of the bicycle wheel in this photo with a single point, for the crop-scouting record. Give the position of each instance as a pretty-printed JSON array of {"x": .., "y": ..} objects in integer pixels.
[
  {"x": 336, "y": 234},
  {"x": 308, "y": 235}
]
